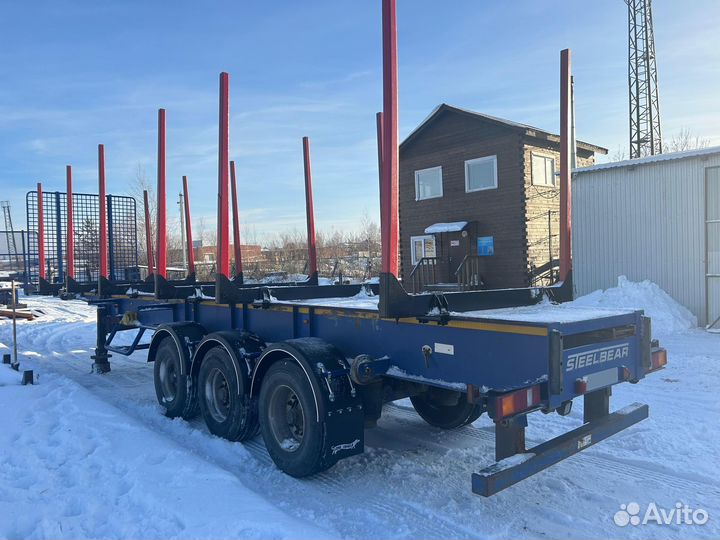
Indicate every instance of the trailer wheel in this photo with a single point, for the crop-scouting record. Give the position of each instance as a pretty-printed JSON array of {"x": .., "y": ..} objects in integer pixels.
[
  {"x": 445, "y": 409},
  {"x": 293, "y": 436},
  {"x": 171, "y": 386},
  {"x": 224, "y": 401}
]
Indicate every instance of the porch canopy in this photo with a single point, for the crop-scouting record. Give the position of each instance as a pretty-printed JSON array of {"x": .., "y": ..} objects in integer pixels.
[{"x": 455, "y": 226}]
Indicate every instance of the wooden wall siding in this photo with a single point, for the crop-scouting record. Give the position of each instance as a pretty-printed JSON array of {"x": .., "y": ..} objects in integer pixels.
[
  {"x": 539, "y": 200},
  {"x": 448, "y": 142}
]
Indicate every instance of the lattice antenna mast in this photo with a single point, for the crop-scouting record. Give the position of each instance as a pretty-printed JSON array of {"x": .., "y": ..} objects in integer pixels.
[
  {"x": 645, "y": 134},
  {"x": 9, "y": 231}
]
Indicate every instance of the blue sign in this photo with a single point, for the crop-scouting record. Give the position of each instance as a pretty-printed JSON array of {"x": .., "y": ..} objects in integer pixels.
[{"x": 485, "y": 246}]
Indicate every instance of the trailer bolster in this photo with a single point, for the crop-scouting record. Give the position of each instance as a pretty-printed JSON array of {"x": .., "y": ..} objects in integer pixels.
[{"x": 512, "y": 470}]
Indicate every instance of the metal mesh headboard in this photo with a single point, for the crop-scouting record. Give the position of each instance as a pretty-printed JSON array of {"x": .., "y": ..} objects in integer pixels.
[{"x": 122, "y": 235}]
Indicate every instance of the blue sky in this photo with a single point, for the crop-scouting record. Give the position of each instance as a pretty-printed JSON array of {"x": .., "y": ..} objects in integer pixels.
[{"x": 75, "y": 74}]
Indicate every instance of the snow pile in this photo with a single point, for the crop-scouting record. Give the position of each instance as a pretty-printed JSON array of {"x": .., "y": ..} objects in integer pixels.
[
  {"x": 9, "y": 376},
  {"x": 667, "y": 315}
]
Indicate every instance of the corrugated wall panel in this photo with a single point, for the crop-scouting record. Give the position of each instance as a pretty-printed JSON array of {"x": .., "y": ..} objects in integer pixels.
[{"x": 646, "y": 222}]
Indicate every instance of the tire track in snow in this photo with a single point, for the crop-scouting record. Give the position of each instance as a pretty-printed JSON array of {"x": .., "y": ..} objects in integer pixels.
[{"x": 603, "y": 461}]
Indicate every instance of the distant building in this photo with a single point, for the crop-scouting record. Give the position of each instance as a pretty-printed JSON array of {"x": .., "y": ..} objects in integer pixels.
[
  {"x": 251, "y": 253},
  {"x": 479, "y": 201},
  {"x": 655, "y": 218}
]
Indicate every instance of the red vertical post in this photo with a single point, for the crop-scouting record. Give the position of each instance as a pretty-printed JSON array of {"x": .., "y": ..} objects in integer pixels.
[
  {"x": 41, "y": 231},
  {"x": 148, "y": 235},
  {"x": 102, "y": 202},
  {"x": 70, "y": 240},
  {"x": 389, "y": 188},
  {"x": 223, "y": 225},
  {"x": 188, "y": 228},
  {"x": 565, "y": 150},
  {"x": 236, "y": 222},
  {"x": 161, "y": 223},
  {"x": 309, "y": 210},
  {"x": 379, "y": 122}
]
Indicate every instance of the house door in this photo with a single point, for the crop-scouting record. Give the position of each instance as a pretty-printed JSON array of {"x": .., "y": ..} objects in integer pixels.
[
  {"x": 712, "y": 247},
  {"x": 457, "y": 247}
]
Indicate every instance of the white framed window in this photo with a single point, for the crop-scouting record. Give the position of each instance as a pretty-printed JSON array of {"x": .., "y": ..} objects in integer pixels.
[
  {"x": 543, "y": 171},
  {"x": 480, "y": 174},
  {"x": 428, "y": 183},
  {"x": 422, "y": 246}
]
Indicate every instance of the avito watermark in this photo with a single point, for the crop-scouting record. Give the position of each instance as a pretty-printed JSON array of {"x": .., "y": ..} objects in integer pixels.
[{"x": 680, "y": 514}]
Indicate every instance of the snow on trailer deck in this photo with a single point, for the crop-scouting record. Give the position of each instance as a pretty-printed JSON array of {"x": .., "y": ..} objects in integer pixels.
[
  {"x": 84, "y": 455},
  {"x": 544, "y": 312}
]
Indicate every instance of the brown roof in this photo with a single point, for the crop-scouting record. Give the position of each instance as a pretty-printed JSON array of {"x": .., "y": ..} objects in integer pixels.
[{"x": 527, "y": 130}]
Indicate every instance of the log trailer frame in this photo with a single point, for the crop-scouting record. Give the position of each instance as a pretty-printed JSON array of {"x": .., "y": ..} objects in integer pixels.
[{"x": 312, "y": 373}]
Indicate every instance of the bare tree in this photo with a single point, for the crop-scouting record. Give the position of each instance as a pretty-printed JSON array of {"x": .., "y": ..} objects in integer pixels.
[{"x": 685, "y": 140}]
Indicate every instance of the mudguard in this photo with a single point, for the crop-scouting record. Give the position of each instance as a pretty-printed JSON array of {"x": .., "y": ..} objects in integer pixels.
[
  {"x": 186, "y": 336},
  {"x": 337, "y": 403}
]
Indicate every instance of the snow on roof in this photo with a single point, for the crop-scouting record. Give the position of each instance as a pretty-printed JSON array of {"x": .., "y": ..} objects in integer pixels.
[
  {"x": 455, "y": 226},
  {"x": 651, "y": 159}
]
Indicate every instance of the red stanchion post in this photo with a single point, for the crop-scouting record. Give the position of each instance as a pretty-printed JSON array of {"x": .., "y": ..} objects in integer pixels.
[{"x": 309, "y": 210}]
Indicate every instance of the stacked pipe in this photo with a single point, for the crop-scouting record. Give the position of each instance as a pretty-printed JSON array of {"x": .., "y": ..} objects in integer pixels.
[{"x": 565, "y": 150}]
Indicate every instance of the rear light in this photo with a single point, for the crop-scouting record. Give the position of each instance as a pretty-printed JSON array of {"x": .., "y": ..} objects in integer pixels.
[
  {"x": 517, "y": 401},
  {"x": 658, "y": 359},
  {"x": 580, "y": 386}
]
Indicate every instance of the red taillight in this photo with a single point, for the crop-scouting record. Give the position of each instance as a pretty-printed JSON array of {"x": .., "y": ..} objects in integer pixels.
[
  {"x": 580, "y": 386},
  {"x": 658, "y": 359},
  {"x": 517, "y": 401}
]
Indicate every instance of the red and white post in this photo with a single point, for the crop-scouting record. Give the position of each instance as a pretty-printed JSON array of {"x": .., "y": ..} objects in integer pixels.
[
  {"x": 148, "y": 235},
  {"x": 223, "y": 225},
  {"x": 41, "y": 232},
  {"x": 565, "y": 151},
  {"x": 188, "y": 229},
  {"x": 161, "y": 199},
  {"x": 102, "y": 203},
  {"x": 309, "y": 212},
  {"x": 236, "y": 224},
  {"x": 70, "y": 238},
  {"x": 389, "y": 186}
]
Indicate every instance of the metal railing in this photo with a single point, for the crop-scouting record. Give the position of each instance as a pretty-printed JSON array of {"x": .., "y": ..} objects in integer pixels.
[
  {"x": 425, "y": 272},
  {"x": 468, "y": 273}
]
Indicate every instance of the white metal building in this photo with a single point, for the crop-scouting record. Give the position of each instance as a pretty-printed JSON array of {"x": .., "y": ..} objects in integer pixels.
[{"x": 655, "y": 218}]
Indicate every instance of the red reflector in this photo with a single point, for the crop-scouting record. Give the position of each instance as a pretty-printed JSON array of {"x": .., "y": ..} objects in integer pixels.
[
  {"x": 517, "y": 401},
  {"x": 659, "y": 359},
  {"x": 580, "y": 386}
]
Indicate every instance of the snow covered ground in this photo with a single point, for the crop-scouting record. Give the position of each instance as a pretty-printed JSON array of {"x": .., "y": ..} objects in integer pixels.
[{"x": 86, "y": 455}]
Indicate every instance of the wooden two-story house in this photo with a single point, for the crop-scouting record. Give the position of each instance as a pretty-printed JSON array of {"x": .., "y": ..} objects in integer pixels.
[{"x": 479, "y": 201}]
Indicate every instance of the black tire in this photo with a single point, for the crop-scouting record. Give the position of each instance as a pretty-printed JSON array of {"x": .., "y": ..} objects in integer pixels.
[
  {"x": 436, "y": 407},
  {"x": 171, "y": 386},
  {"x": 293, "y": 436},
  {"x": 226, "y": 408}
]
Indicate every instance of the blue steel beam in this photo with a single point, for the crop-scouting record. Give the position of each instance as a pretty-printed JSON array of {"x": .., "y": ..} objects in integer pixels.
[{"x": 505, "y": 473}]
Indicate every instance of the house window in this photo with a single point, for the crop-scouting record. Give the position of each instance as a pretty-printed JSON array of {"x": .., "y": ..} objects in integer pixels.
[
  {"x": 428, "y": 183},
  {"x": 543, "y": 171},
  {"x": 481, "y": 174},
  {"x": 422, "y": 246}
]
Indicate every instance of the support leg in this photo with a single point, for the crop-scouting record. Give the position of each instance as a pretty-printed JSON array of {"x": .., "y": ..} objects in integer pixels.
[
  {"x": 510, "y": 437},
  {"x": 597, "y": 404},
  {"x": 101, "y": 356}
]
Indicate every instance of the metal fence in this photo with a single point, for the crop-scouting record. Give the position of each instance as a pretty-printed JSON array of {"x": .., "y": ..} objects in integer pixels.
[
  {"x": 13, "y": 253},
  {"x": 122, "y": 236}
]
